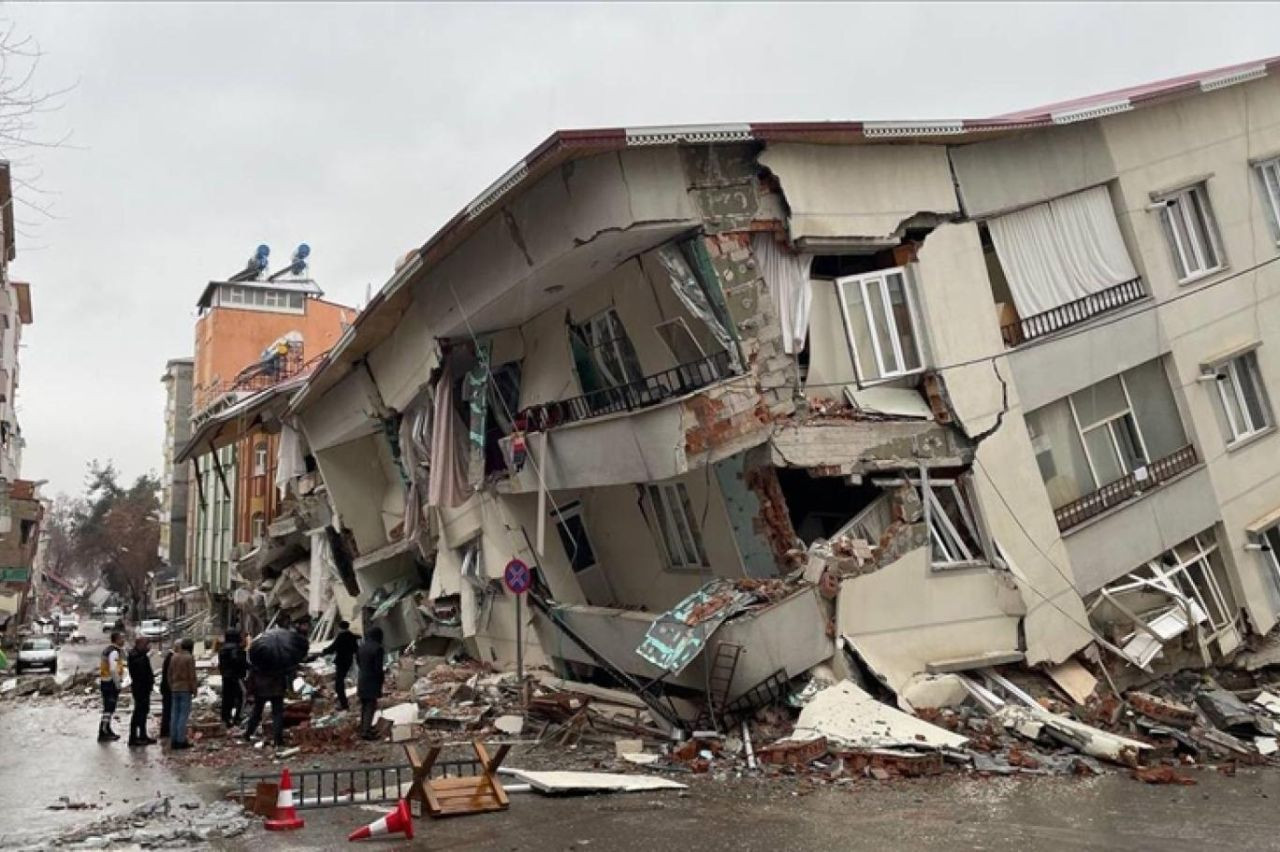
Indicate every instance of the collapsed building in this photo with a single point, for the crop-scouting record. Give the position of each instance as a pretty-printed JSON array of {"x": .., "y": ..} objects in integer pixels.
[{"x": 903, "y": 398}]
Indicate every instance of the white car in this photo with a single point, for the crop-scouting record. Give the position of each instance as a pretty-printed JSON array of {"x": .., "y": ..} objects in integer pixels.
[
  {"x": 37, "y": 653},
  {"x": 153, "y": 628}
]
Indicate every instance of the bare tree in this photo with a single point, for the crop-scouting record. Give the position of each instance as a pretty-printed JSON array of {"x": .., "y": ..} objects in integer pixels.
[{"x": 22, "y": 103}]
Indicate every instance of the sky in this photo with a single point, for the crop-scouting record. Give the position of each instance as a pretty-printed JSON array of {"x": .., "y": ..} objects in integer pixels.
[{"x": 198, "y": 131}]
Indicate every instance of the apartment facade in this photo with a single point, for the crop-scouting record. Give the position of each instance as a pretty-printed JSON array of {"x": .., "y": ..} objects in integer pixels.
[
  {"x": 996, "y": 389},
  {"x": 175, "y": 479}
]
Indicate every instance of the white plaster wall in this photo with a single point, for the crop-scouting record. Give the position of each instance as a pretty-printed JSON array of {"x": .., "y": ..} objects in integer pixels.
[
  {"x": 955, "y": 296},
  {"x": 1214, "y": 136}
]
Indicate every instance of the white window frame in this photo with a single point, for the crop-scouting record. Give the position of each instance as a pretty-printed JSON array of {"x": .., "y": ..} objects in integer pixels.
[
  {"x": 1191, "y": 260},
  {"x": 880, "y": 281},
  {"x": 1269, "y": 540},
  {"x": 1109, "y": 423},
  {"x": 260, "y": 459},
  {"x": 259, "y": 522},
  {"x": 678, "y": 530},
  {"x": 1176, "y": 580},
  {"x": 471, "y": 563},
  {"x": 597, "y": 327},
  {"x": 946, "y": 539},
  {"x": 680, "y": 323},
  {"x": 1230, "y": 373},
  {"x": 1268, "y": 172}
]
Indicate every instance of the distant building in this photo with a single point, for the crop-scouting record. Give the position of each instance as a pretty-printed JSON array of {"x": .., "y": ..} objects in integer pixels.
[
  {"x": 20, "y": 508},
  {"x": 174, "y": 480},
  {"x": 254, "y": 332}
]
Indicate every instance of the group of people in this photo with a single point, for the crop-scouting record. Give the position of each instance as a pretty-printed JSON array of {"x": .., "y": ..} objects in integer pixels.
[{"x": 178, "y": 685}]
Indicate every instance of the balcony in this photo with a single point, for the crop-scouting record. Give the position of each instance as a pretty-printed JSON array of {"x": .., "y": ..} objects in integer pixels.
[
  {"x": 633, "y": 396},
  {"x": 1126, "y": 488},
  {"x": 1072, "y": 313}
]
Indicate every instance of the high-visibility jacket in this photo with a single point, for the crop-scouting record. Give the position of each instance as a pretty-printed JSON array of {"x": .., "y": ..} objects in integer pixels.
[{"x": 111, "y": 668}]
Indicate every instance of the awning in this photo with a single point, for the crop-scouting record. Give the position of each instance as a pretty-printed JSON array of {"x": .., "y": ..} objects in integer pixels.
[{"x": 231, "y": 424}]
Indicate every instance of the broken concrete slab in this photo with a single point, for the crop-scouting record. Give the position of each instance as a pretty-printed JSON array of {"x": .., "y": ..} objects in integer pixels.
[
  {"x": 512, "y": 725},
  {"x": 1074, "y": 679},
  {"x": 846, "y": 715},
  {"x": 932, "y": 691},
  {"x": 1228, "y": 713},
  {"x": 564, "y": 783},
  {"x": 400, "y": 714}
]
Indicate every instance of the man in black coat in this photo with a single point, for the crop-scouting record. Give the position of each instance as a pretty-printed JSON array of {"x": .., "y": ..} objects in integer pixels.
[
  {"x": 233, "y": 666},
  {"x": 343, "y": 647},
  {"x": 371, "y": 659},
  {"x": 142, "y": 681}
]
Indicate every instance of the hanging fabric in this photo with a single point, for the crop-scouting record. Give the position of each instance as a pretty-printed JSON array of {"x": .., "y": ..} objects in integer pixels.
[
  {"x": 289, "y": 462},
  {"x": 1061, "y": 251},
  {"x": 787, "y": 275},
  {"x": 449, "y": 448}
]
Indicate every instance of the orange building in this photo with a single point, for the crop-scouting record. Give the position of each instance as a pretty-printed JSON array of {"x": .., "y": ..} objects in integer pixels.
[{"x": 251, "y": 335}]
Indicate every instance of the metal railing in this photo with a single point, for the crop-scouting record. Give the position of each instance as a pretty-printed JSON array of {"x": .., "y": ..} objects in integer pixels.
[
  {"x": 1072, "y": 313},
  {"x": 228, "y": 393},
  {"x": 355, "y": 785},
  {"x": 1126, "y": 488},
  {"x": 643, "y": 393}
]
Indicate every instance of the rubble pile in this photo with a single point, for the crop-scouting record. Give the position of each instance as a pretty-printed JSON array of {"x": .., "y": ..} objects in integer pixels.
[{"x": 155, "y": 824}]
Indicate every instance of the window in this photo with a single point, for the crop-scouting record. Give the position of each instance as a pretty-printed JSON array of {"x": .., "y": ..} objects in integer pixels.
[
  {"x": 573, "y": 535},
  {"x": 880, "y": 318},
  {"x": 1243, "y": 397},
  {"x": 1113, "y": 444},
  {"x": 611, "y": 351},
  {"x": 1192, "y": 232},
  {"x": 1270, "y": 541},
  {"x": 1269, "y": 177},
  {"x": 681, "y": 538},
  {"x": 260, "y": 459},
  {"x": 472, "y": 556},
  {"x": 684, "y": 347},
  {"x": 295, "y": 301},
  {"x": 259, "y": 527},
  {"x": 955, "y": 526}
]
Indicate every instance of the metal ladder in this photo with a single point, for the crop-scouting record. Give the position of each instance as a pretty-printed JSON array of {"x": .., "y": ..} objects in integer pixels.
[{"x": 724, "y": 664}]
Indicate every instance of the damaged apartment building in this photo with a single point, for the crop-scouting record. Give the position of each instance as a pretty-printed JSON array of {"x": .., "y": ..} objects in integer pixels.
[{"x": 899, "y": 397}]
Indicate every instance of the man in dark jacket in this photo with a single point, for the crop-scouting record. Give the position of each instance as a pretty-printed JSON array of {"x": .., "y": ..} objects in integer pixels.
[
  {"x": 343, "y": 647},
  {"x": 267, "y": 686},
  {"x": 371, "y": 659},
  {"x": 142, "y": 680},
  {"x": 233, "y": 666}
]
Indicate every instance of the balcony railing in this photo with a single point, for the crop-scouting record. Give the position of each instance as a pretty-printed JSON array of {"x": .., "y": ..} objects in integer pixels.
[
  {"x": 643, "y": 393},
  {"x": 1126, "y": 488},
  {"x": 1072, "y": 313}
]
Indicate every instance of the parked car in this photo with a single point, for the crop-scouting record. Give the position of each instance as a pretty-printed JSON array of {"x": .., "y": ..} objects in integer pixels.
[
  {"x": 66, "y": 627},
  {"x": 37, "y": 653},
  {"x": 77, "y": 637},
  {"x": 153, "y": 628}
]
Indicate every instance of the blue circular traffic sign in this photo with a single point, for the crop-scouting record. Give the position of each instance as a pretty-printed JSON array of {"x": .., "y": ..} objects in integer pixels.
[{"x": 517, "y": 577}]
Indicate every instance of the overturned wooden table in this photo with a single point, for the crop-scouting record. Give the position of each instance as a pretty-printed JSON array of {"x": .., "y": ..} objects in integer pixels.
[{"x": 461, "y": 796}]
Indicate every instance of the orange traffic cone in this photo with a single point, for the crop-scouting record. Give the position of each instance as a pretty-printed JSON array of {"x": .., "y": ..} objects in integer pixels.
[
  {"x": 286, "y": 816},
  {"x": 401, "y": 819}
]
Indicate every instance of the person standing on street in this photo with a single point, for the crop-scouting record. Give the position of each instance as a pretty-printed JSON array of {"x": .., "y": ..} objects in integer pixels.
[
  {"x": 233, "y": 666},
  {"x": 343, "y": 647},
  {"x": 141, "y": 681},
  {"x": 371, "y": 658},
  {"x": 166, "y": 695},
  {"x": 182, "y": 681},
  {"x": 267, "y": 686},
  {"x": 110, "y": 673}
]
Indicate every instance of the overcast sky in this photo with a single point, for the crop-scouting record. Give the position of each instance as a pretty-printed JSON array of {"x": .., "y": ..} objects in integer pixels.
[{"x": 200, "y": 130}]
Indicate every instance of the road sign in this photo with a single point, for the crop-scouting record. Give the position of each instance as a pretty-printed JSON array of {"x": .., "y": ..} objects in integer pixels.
[{"x": 516, "y": 576}]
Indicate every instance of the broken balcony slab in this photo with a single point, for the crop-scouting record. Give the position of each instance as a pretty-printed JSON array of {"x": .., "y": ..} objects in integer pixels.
[
  {"x": 841, "y": 447},
  {"x": 973, "y": 661},
  {"x": 846, "y": 715},
  {"x": 568, "y": 783},
  {"x": 788, "y": 636}
]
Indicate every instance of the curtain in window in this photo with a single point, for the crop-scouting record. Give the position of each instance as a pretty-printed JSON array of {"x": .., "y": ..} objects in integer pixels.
[
  {"x": 289, "y": 461},
  {"x": 1061, "y": 251},
  {"x": 1059, "y": 453},
  {"x": 787, "y": 275},
  {"x": 448, "y": 473}
]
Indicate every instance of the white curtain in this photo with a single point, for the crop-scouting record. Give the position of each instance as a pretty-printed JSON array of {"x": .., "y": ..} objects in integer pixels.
[
  {"x": 1061, "y": 251},
  {"x": 289, "y": 462},
  {"x": 787, "y": 275},
  {"x": 447, "y": 484}
]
